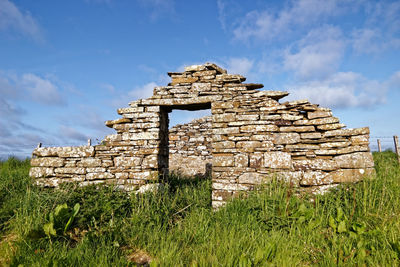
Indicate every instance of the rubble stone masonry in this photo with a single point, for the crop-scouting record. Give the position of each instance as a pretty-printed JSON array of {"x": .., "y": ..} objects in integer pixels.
[{"x": 249, "y": 139}]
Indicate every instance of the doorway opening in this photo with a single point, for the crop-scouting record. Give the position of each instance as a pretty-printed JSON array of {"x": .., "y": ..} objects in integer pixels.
[{"x": 185, "y": 147}]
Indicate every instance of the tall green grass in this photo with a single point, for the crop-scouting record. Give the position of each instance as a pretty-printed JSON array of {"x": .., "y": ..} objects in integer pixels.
[{"x": 354, "y": 225}]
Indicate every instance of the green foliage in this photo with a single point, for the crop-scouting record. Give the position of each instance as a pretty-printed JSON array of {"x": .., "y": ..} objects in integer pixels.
[{"x": 355, "y": 225}]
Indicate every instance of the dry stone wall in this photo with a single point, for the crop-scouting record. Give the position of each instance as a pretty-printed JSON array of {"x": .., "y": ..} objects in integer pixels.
[
  {"x": 252, "y": 138},
  {"x": 190, "y": 148}
]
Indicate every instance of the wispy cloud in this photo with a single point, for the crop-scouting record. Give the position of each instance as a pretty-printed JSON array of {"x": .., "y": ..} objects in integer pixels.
[
  {"x": 239, "y": 65},
  {"x": 11, "y": 18},
  {"x": 343, "y": 90},
  {"x": 269, "y": 24},
  {"x": 159, "y": 8},
  {"x": 31, "y": 87},
  {"x": 318, "y": 54}
]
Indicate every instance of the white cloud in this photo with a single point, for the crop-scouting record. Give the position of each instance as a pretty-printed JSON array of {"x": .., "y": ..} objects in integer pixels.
[
  {"x": 367, "y": 40},
  {"x": 318, "y": 54},
  {"x": 342, "y": 90},
  {"x": 72, "y": 134},
  {"x": 30, "y": 87},
  {"x": 122, "y": 99},
  {"x": 41, "y": 90},
  {"x": 221, "y": 5},
  {"x": 142, "y": 92},
  {"x": 12, "y": 18},
  {"x": 267, "y": 24},
  {"x": 240, "y": 65}
]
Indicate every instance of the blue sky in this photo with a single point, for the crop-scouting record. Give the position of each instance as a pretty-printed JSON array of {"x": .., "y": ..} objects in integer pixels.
[{"x": 66, "y": 66}]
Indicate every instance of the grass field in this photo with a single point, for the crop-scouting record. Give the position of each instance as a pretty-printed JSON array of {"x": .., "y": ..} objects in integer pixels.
[{"x": 355, "y": 225}]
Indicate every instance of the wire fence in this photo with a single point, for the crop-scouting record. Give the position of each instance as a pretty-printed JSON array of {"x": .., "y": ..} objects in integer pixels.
[{"x": 386, "y": 143}]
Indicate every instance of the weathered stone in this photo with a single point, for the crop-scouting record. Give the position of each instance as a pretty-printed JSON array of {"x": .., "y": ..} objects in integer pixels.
[
  {"x": 179, "y": 80},
  {"x": 297, "y": 129},
  {"x": 127, "y": 161},
  {"x": 227, "y": 117},
  {"x": 277, "y": 160},
  {"x": 223, "y": 160},
  {"x": 350, "y": 175},
  {"x": 230, "y": 78},
  {"x": 256, "y": 160},
  {"x": 194, "y": 68},
  {"x": 329, "y": 127},
  {"x": 355, "y": 160},
  {"x": 360, "y": 140},
  {"x": 302, "y": 146},
  {"x": 318, "y": 114},
  {"x": 204, "y": 73},
  {"x": 259, "y": 128},
  {"x": 224, "y": 144},
  {"x": 286, "y": 138},
  {"x": 47, "y": 162},
  {"x": 290, "y": 117},
  {"x": 335, "y": 144},
  {"x": 251, "y": 178},
  {"x": 315, "y": 135},
  {"x": 241, "y": 160},
  {"x": 38, "y": 172},
  {"x": 315, "y": 178},
  {"x": 315, "y": 164},
  {"x": 347, "y": 132},
  {"x": 321, "y": 121},
  {"x": 70, "y": 170},
  {"x": 99, "y": 175},
  {"x": 76, "y": 152},
  {"x": 90, "y": 162}
]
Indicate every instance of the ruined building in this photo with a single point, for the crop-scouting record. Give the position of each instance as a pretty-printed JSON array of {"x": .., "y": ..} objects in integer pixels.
[{"x": 250, "y": 138}]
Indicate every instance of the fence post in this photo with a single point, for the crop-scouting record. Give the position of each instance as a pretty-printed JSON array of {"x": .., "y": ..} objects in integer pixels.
[
  {"x": 379, "y": 145},
  {"x": 89, "y": 142},
  {"x": 396, "y": 147},
  {"x": 39, "y": 145}
]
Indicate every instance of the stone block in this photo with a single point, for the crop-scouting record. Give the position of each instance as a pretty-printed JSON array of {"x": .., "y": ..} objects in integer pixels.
[
  {"x": 315, "y": 178},
  {"x": 241, "y": 160},
  {"x": 277, "y": 160},
  {"x": 99, "y": 176},
  {"x": 226, "y": 117},
  {"x": 76, "y": 152},
  {"x": 90, "y": 162},
  {"x": 259, "y": 128},
  {"x": 224, "y": 144},
  {"x": 47, "y": 162},
  {"x": 355, "y": 160},
  {"x": 38, "y": 172},
  {"x": 179, "y": 80},
  {"x": 329, "y": 127},
  {"x": 351, "y": 175},
  {"x": 150, "y": 161},
  {"x": 127, "y": 162},
  {"x": 76, "y": 170},
  {"x": 347, "y": 132},
  {"x": 315, "y": 135},
  {"x": 251, "y": 178},
  {"x": 315, "y": 164},
  {"x": 297, "y": 129},
  {"x": 256, "y": 160},
  {"x": 321, "y": 121},
  {"x": 286, "y": 138},
  {"x": 318, "y": 114},
  {"x": 223, "y": 160}
]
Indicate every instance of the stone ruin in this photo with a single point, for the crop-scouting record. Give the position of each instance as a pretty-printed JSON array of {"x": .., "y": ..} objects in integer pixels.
[{"x": 249, "y": 139}]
